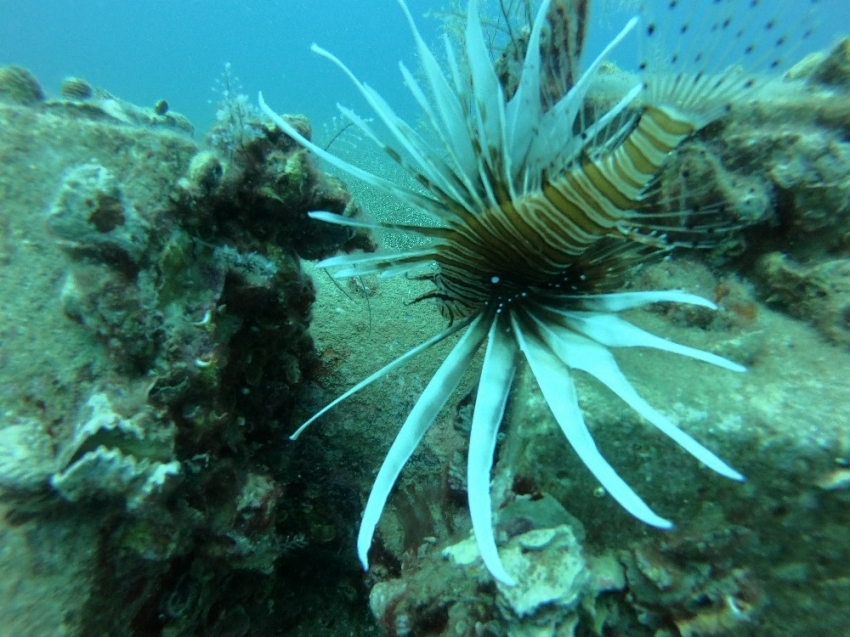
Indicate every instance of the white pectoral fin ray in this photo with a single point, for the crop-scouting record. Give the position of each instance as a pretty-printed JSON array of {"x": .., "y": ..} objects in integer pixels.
[
  {"x": 421, "y": 417},
  {"x": 386, "y": 370},
  {"x": 621, "y": 301},
  {"x": 340, "y": 220},
  {"x": 613, "y": 331},
  {"x": 497, "y": 374},
  {"x": 375, "y": 258},
  {"x": 579, "y": 352},
  {"x": 452, "y": 121},
  {"x": 523, "y": 111},
  {"x": 556, "y": 384}
]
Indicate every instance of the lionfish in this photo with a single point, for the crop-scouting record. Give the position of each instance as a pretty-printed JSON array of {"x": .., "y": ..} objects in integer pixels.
[{"x": 541, "y": 205}]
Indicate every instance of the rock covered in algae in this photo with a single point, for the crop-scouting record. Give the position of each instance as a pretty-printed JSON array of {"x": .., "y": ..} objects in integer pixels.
[
  {"x": 817, "y": 293},
  {"x": 559, "y": 586},
  {"x": 89, "y": 215},
  {"x": 551, "y": 575},
  {"x": 153, "y": 351}
]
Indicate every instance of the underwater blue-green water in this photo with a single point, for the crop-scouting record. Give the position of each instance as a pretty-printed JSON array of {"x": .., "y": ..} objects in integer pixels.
[
  {"x": 144, "y": 51},
  {"x": 148, "y": 50}
]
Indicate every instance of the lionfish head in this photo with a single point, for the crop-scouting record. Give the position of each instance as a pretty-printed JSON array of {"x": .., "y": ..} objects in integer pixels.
[{"x": 541, "y": 210}]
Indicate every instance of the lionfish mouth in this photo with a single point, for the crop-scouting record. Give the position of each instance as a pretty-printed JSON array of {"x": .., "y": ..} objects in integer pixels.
[{"x": 541, "y": 211}]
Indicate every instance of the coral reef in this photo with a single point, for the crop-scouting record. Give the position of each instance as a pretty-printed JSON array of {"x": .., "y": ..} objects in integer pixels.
[
  {"x": 109, "y": 455},
  {"x": 155, "y": 346},
  {"x": 153, "y": 353}
]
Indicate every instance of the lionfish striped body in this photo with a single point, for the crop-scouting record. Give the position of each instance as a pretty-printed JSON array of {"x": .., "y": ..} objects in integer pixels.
[
  {"x": 540, "y": 212},
  {"x": 542, "y": 240}
]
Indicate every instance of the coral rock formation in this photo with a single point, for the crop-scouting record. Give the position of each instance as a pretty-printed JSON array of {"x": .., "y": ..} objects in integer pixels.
[{"x": 153, "y": 351}]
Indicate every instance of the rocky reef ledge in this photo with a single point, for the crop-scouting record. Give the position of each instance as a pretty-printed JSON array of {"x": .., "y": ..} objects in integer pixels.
[{"x": 153, "y": 344}]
